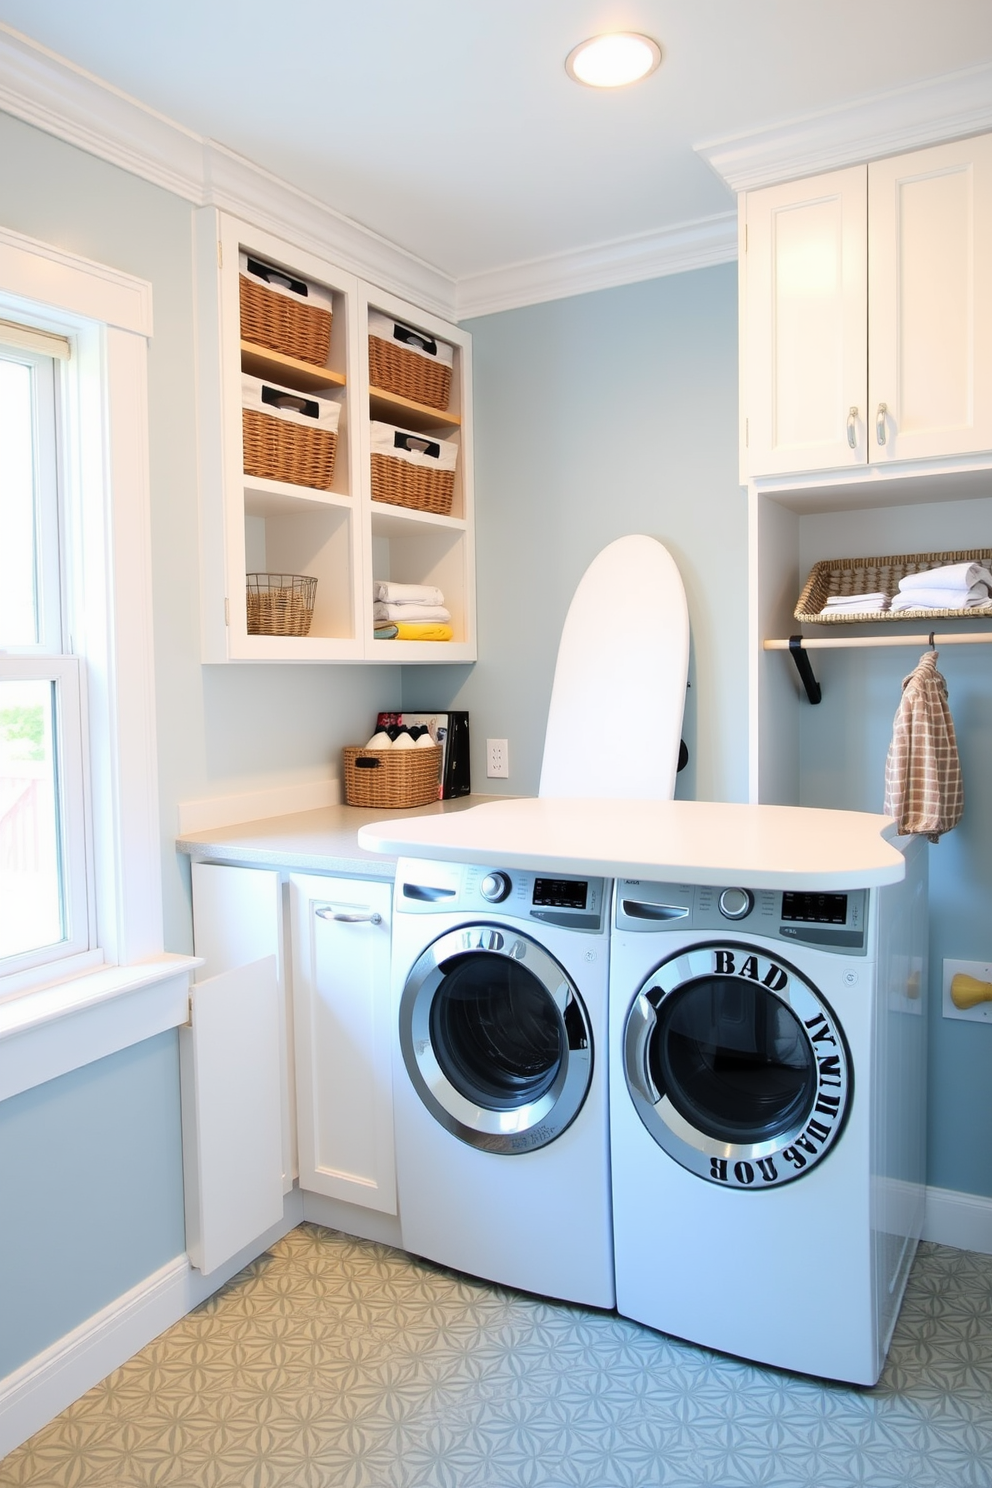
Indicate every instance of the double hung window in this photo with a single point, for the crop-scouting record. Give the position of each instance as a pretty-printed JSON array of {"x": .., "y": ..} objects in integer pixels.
[{"x": 46, "y": 913}]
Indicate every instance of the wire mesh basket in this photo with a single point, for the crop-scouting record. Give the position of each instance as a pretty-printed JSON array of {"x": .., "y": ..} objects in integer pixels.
[{"x": 280, "y": 604}]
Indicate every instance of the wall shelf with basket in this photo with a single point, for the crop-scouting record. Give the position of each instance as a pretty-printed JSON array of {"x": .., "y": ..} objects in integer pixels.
[{"x": 290, "y": 490}]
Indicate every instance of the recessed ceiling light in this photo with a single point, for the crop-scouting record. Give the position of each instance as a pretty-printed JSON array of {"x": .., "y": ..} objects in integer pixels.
[{"x": 614, "y": 60}]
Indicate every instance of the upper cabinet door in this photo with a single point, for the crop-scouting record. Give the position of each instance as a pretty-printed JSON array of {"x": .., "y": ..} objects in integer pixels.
[
  {"x": 930, "y": 293},
  {"x": 804, "y": 371}
]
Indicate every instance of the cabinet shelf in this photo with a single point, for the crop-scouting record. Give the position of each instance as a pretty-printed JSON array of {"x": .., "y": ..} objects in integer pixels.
[
  {"x": 391, "y": 408},
  {"x": 400, "y": 521},
  {"x": 259, "y": 361},
  {"x": 271, "y": 498}
]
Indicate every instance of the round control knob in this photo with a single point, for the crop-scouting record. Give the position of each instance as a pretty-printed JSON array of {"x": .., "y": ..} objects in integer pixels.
[
  {"x": 736, "y": 904},
  {"x": 495, "y": 887}
]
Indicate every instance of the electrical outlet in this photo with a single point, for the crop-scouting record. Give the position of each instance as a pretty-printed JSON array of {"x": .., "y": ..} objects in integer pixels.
[
  {"x": 980, "y": 1010},
  {"x": 497, "y": 759}
]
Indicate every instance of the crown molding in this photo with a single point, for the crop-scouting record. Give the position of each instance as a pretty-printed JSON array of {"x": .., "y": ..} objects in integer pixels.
[
  {"x": 64, "y": 100},
  {"x": 943, "y": 108},
  {"x": 673, "y": 250}
]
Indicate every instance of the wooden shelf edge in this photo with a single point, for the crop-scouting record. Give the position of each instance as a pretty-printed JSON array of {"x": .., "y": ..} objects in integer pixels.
[
  {"x": 259, "y": 361},
  {"x": 417, "y": 415}
]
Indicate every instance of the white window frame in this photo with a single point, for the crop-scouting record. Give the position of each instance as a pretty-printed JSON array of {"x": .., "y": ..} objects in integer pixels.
[{"x": 106, "y": 315}]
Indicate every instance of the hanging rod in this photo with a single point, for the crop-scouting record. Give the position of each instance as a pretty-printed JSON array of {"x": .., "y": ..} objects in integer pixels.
[{"x": 798, "y": 645}]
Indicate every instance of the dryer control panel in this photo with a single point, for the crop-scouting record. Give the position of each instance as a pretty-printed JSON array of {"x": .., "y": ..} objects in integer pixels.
[
  {"x": 830, "y": 921},
  {"x": 573, "y": 902}
]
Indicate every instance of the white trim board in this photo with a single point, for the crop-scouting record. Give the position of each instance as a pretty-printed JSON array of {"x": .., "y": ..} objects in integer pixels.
[
  {"x": 31, "y": 1396},
  {"x": 942, "y": 108},
  {"x": 672, "y": 250},
  {"x": 962, "y": 1220}
]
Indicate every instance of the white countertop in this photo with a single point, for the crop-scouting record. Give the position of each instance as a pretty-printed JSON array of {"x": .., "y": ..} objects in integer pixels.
[
  {"x": 701, "y": 842},
  {"x": 322, "y": 841}
]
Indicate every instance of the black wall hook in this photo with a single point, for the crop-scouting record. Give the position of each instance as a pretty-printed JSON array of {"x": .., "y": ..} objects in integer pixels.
[{"x": 801, "y": 658}]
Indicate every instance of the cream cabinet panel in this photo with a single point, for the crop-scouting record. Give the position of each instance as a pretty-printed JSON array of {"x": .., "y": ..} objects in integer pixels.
[
  {"x": 805, "y": 321},
  {"x": 231, "y": 1105},
  {"x": 343, "y": 1039},
  {"x": 238, "y": 918},
  {"x": 930, "y": 302}
]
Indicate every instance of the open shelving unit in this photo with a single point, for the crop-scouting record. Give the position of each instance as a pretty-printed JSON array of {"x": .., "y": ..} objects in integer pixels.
[{"x": 340, "y": 536}]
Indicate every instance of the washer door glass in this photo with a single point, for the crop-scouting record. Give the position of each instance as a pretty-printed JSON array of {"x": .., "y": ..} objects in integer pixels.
[
  {"x": 495, "y": 1039},
  {"x": 737, "y": 1066}
]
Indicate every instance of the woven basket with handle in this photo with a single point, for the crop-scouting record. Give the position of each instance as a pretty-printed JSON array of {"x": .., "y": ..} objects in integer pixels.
[
  {"x": 283, "y": 324},
  {"x": 392, "y": 778}
]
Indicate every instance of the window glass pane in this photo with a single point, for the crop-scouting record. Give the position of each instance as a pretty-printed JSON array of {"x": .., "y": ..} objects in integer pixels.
[
  {"x": 18, "y": 563},
  {"x": 31, "y": 899}
]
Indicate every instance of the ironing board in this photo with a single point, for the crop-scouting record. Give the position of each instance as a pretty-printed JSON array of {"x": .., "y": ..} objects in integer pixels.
[{"x": 615, "y": 720}]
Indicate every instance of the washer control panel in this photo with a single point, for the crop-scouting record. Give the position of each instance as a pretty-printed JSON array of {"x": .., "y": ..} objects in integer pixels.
[
  {"x": 576, "y": 903},
  {"x": 829, "y": 921}
]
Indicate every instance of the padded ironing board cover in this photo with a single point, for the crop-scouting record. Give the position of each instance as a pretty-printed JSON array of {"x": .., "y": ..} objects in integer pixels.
[{"x": 618, "y": 697}]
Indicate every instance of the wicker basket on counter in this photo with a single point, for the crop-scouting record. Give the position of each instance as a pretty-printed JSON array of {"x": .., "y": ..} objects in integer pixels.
[
  {"x": 868, "y": 575},
  {"x": 392, "y": 778},
  {"x": 280, "y": 604}
]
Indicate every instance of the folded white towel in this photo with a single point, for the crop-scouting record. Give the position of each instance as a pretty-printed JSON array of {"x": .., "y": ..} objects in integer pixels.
[
  {"x": 942, "y": 599},
  {"x": 841, "y": 603},
  {"x": 416, "y": 613},
  {"x": 958, "y": 576},
  {"x": 419, "y": 594}
]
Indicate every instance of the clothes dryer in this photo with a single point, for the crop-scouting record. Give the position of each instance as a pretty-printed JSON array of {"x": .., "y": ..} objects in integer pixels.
[
  {"x": 500, "y": 1075},
  {"x": 768, "y": 1115}
]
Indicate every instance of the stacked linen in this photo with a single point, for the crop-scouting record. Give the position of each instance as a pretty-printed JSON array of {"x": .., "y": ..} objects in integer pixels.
[
  {"x": 955, "y": 586},
  {"x": 409, "y": 612},
  {"x": 856, "y": 604}
]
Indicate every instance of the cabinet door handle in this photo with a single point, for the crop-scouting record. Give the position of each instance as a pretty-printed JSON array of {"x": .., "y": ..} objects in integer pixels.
[
  {"x": 368, "y": 917},
  {"x": 883, "y": 409},
  {"x": 852, "y": 427}
]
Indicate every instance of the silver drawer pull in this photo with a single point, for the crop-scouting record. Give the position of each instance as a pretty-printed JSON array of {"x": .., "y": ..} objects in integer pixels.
[
  {"x": 883, "y": 409},
  {"x": 369, "y": 917},
  {"x": 852, "y": 427}
]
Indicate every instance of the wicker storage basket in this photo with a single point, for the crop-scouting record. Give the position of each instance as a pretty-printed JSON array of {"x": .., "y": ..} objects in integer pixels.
[
  {"x": 288, "y": 436},
  {"x": 392, "y": 778},
  {"x": 866, "y": 575},
  {"x": 405, "y": 361},
  {"x": 408, "y": 469},
  {"x": 284, "y": 313},
  {"x": 280, "y": 604}
]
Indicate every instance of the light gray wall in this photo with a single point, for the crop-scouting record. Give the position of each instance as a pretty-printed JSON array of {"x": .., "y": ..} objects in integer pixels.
[
  {"x": 844, "y": 741},
  {"x": 598, "y": 416}
]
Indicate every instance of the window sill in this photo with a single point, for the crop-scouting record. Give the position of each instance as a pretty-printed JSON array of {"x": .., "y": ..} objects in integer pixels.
[{"x": 51, "y": 1030}]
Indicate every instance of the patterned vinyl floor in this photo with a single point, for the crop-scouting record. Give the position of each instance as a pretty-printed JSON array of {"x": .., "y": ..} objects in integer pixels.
[{"x": 335, "y": 1363}]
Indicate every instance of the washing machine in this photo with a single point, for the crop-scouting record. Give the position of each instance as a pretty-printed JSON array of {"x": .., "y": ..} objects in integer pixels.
[
  {"x": 768, "y": 1102},
  {"x": 500, "y": 988}
]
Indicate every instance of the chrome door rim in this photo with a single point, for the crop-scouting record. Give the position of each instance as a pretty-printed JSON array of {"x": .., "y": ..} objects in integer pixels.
[
  {"x": 521, "y": 1129},
  {"x": 789, "y": 1154}
]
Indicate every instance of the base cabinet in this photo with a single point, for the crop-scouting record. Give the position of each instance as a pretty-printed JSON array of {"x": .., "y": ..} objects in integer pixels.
[{"x": 340, "y": 938}]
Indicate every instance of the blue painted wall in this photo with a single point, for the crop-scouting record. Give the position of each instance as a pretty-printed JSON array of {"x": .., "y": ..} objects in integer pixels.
[
  {"x": 92, "y": 1198},
  {"x": 597, "y": 416}
]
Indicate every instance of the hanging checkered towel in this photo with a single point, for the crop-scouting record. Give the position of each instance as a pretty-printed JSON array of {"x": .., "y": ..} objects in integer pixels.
[{"x": 923, "y": 788}]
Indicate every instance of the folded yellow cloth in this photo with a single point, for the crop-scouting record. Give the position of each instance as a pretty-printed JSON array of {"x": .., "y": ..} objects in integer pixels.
[{"x": 408, "y": 631}]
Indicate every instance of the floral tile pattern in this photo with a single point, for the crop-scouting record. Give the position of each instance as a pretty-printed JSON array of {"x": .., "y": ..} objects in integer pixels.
[{"x": 335, "y": 1363}]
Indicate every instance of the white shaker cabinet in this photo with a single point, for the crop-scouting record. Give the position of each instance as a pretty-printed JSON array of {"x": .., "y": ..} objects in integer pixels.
[
  {"x": 867, "y": 315},
  {"x": 343, "y": 1045}
]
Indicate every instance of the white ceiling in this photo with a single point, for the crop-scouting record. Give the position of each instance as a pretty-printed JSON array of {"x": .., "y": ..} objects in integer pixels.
[{"x": 450, "y": 126}]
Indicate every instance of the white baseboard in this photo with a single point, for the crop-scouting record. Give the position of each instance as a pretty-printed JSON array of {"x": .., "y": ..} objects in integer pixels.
[
  {"x": 36, "y": 1392},
  {"x": 959, "y": 1219},
  {"x": 32, "y": 1395}
]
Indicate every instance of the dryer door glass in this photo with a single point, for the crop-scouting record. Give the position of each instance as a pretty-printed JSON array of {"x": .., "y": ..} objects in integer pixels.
[
  {"x": 736, "y": 1065},
  {"x": 734, "y": 1060},
  {"x": 495, "y": 1039},
  {"x": 497, "y": 1034}
]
